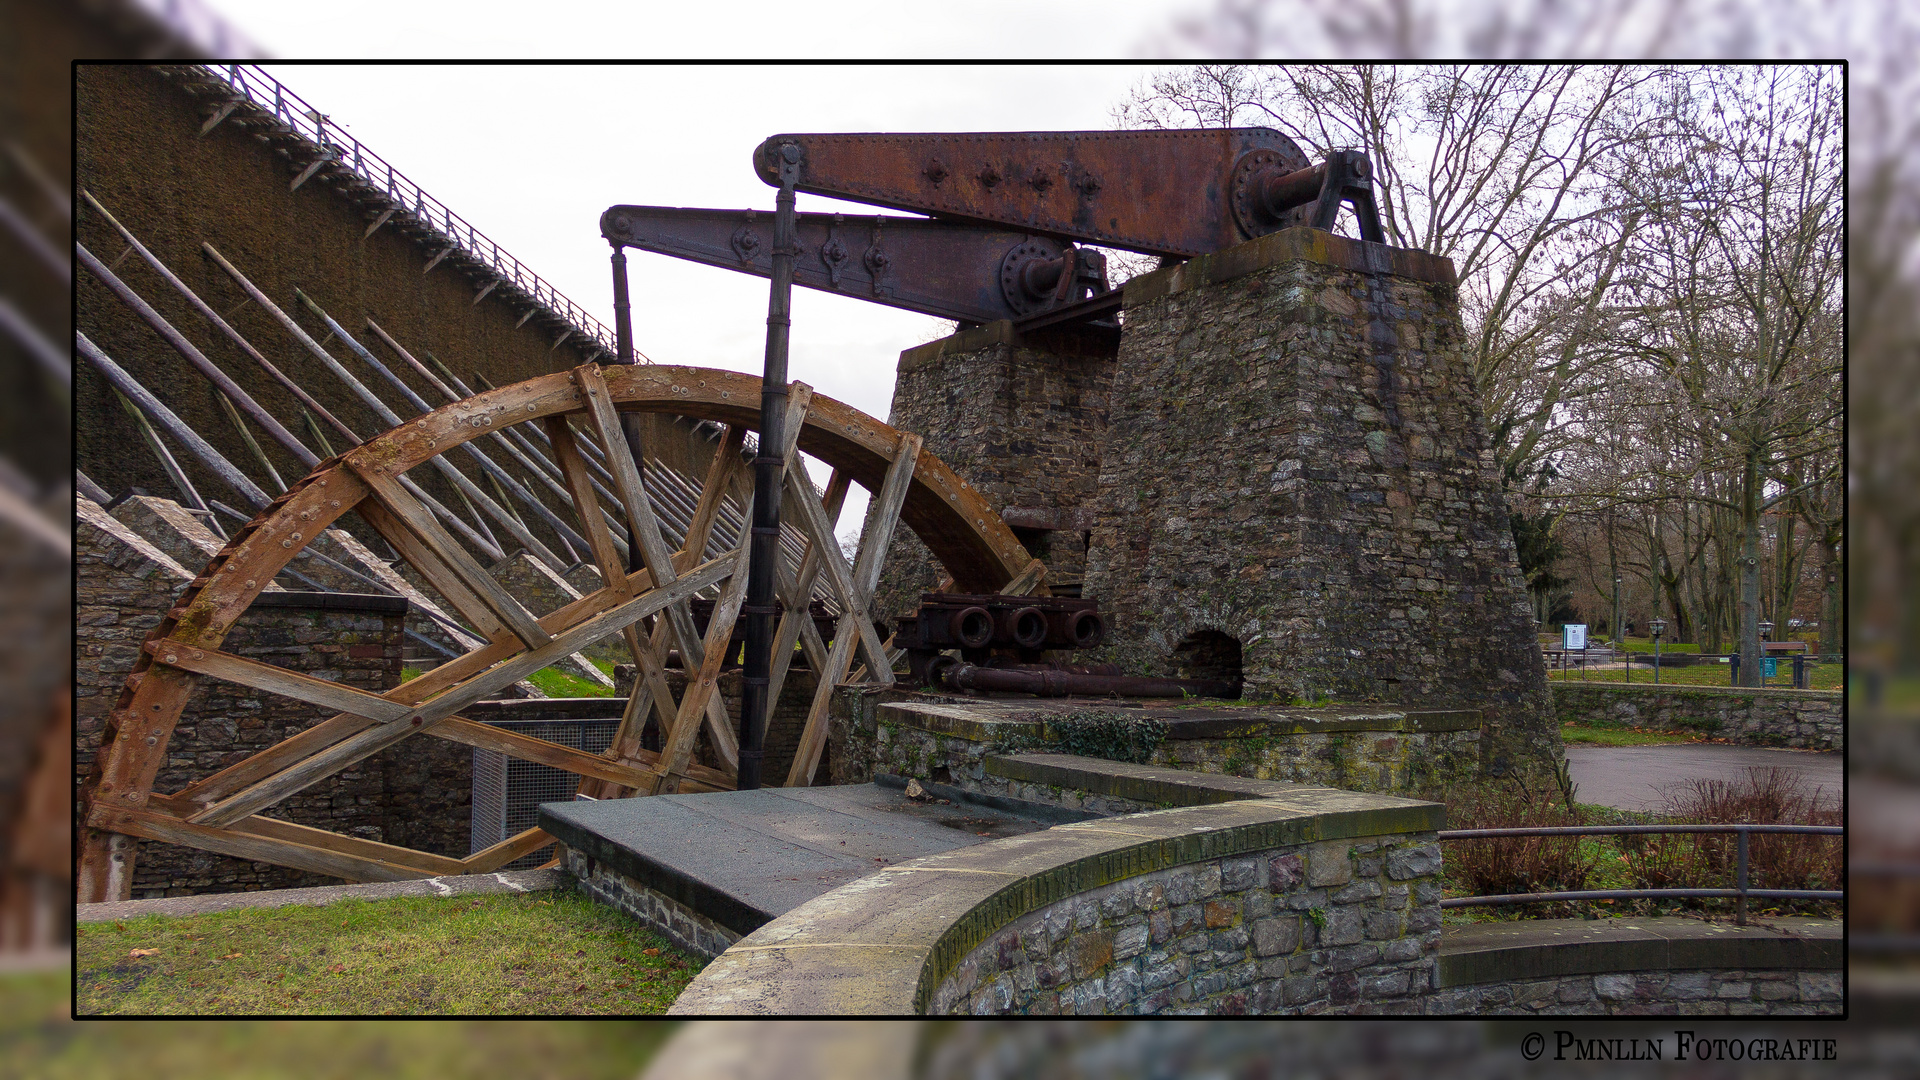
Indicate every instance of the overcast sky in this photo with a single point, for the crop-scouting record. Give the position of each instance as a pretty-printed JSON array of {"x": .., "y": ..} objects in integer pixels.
[{"x": 532, "y": 154}]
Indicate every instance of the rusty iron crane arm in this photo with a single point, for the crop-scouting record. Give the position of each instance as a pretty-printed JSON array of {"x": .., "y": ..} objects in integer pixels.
[
  {"x": 952, "y": 270},
  {"x": 1172, "y": 193}
]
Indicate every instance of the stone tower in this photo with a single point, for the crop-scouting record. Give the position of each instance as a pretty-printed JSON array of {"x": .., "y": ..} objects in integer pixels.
[
  {"x": 1297, "y": 482},
  {"x": 1283, "y": 477}
]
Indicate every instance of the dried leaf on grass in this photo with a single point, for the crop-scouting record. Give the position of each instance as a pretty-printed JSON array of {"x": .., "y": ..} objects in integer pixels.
[{"x": 144, "y": 952}]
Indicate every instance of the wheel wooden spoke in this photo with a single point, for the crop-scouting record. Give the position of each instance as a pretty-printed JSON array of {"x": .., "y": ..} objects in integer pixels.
[
  {"x": 644, "y": 527},
  {"x": 365, "y": 743},
  {"x": 277, "y": 680},
  {"x": 220, "y": 812},
  {"x": 151, "y": 825},
  {"x": 702, "y": 687},
  {"x": 445, "y": 563},
  {"x": 819, "y": 532},
  {"x": 513, "y": 847},
  {"x": 641, "y": 522},
  {"x": 650, "y": 684},
  {"x": 875, "y": 538},
  {"x": 796, "y": 593},
  {"x": 651, "y": 691}
]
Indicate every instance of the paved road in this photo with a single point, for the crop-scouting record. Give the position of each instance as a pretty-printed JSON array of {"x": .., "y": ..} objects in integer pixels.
[{"x": 1643, "y": 777}]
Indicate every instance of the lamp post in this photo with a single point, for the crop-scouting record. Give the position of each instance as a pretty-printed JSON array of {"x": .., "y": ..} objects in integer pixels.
[{"x": 1659, "y": 627}]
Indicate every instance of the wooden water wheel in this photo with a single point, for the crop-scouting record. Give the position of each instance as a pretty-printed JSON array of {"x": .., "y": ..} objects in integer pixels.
[{"x": 224, "y": 812}]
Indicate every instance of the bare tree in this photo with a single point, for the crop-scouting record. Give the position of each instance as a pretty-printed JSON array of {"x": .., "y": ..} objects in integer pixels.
[
  {"x": 1506, "y": 170},
  {"x": 1741, "y": 282}
]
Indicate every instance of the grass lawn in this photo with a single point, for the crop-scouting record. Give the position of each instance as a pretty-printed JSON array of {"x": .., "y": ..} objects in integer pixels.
[
  {"x": 552, "y": 681},
  {"x": 1621, "y": 736},
  {"x": 43, "y": 1043},
  {"x": 552, "y": 954}
]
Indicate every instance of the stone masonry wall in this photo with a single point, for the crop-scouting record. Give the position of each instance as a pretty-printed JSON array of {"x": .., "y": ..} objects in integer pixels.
[
  {"x": 416, "y": 794},
  {"x": 672, "y": 919},
  {"x": 1296, "y": 458},
  {"x": 1402, "y": 760},
  {"x": 1347, "y": 927},
  {"x": 1802, "y": 719},
  {"x": 1651, "y": 993},
  {"x": 1021, "y": 421}
]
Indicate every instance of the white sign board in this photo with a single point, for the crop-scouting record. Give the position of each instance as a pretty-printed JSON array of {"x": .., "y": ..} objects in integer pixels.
[{"x": 1573, "y": 636}]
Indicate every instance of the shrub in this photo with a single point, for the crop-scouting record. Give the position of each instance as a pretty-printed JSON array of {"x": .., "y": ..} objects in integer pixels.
[
  {"x": 1516, "y": 864},
  {"x": 1765, "y": 796},
  {"x": 1114, "y": 736}
]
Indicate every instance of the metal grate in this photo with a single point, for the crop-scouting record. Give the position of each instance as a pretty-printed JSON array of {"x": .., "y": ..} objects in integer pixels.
[{"x": 507, "y": 792}]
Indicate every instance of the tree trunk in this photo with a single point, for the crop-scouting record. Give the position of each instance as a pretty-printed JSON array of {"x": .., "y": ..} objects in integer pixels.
[
  {"x": 1833, "y": 631},
  {"x": 1749, "y": 609}
]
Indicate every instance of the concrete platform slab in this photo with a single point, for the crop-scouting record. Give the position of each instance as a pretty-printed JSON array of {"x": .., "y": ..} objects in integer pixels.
[{"x": 742, "y": 858}]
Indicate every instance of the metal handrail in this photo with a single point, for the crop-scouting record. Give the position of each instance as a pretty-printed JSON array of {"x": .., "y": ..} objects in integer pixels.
[
  {"x": 1740, "y": 891},
  {"x": 269, "y": 95}
]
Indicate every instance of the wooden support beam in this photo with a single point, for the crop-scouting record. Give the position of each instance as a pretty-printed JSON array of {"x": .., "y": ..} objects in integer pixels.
[
  {"x": 814, "y": 524},
  {"x": 435, "y": 261},
  {"x": 277, "y": 757},
  {"x": 703, "y": 684},
  {"x": 527, "y": 748},
  {"x": 491, "y": 285},
  {"x": 796, "y": 592},
  {"x": 531, "y": 312},
  {"x": 219, "y": 114},
  {"x": 641, "y": 521},
  {"x": 276, "y": 829},
  {"x": 385, "y": 215},
  {"x": 308, "y": 172}
]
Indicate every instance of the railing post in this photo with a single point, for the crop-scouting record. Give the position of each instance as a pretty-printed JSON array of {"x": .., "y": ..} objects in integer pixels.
[{"x": 1740, "y": 882}]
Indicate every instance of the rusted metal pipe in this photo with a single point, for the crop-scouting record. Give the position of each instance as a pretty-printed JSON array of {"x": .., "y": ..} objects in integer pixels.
[
  {"x": 1048, "y": 682},
  {"x": 1281, "y": 191},
  {"x": 1025, "y": 627},
  {"x": 972, "y": 627}
]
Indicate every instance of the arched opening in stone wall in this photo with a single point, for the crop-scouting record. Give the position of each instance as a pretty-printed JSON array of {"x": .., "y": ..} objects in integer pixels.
[{"x": 1208, "y": 654}]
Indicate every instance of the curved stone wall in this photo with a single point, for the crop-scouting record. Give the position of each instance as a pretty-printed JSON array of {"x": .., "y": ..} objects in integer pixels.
[
  {"x": 1642, "y": 967},
  {"x": 1307, "y": 900}
]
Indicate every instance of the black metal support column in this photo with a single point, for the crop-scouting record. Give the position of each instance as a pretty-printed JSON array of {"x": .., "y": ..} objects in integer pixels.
[
  {"x": 622, "y": 309},
  {"x": 768, "y": 466},
  {"x": 623, "y": 354}
]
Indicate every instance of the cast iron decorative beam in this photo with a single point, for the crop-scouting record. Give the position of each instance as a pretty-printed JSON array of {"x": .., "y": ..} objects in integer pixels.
[
  {"x": 952, "y": 270},
  {"x": 1172, "y": 193}
]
